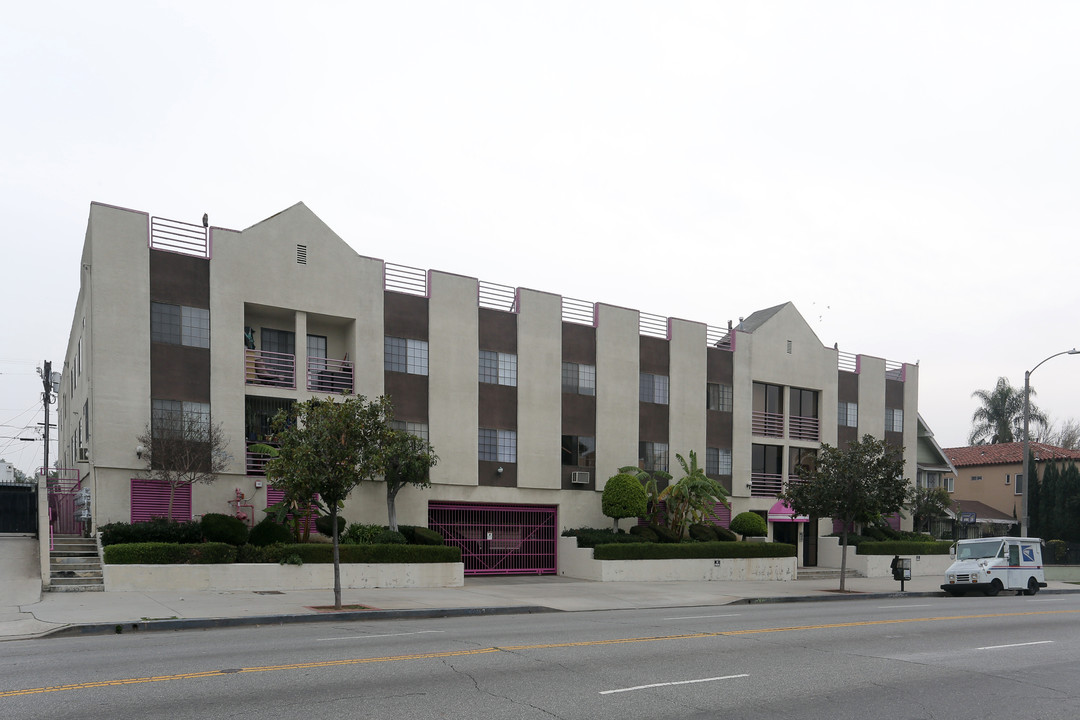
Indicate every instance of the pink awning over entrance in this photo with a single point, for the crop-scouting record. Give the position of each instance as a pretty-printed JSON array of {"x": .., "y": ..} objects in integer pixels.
[{"x": 782, "y": 512}]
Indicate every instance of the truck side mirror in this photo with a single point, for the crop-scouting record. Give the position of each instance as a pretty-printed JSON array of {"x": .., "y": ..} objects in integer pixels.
[{"x": 952, "y": 551}]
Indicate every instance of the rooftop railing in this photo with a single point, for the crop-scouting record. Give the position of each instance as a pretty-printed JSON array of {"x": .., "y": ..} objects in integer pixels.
[
  {"x": 405, "y": 279},
  {"x": 497, "y": 297},
  {"x": 179, "y": 237},
  {"x": 578, "y": 311}
]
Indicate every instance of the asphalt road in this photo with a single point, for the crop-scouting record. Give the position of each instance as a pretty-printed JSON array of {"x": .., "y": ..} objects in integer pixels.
[{"x": 956, "y": 658}]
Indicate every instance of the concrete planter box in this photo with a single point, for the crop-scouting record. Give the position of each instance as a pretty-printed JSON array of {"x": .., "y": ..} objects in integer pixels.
[
  {"x": 878, "y": 565},
  {"x": 578, "y": 563},
  {"x": 271, "y": 576}
]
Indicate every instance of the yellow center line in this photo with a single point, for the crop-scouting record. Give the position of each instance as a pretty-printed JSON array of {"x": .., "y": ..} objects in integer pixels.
[{"x": 509, "y": 648}]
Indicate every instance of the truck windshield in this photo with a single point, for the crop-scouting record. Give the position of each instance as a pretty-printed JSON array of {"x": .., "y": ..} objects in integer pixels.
[{"x": 975, "y": 550}]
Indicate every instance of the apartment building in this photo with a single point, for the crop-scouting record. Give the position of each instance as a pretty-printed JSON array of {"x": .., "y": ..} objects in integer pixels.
[{"x": 531, "y": 400}]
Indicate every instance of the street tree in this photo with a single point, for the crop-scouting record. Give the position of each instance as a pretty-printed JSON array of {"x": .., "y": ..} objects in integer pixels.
[
  {"x": 329, "y": 448},
  {"x": 926, "y": 504},
  {"x": 856, "y": 485},
  {"x": 182, "y": 449},
  {"x": 623, "y": 497},
  {"x": 1000, "y": 415},
  {"x": 407, "y": 460}
]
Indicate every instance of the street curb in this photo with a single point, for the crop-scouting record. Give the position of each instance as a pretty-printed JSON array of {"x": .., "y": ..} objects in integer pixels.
[
  {"x": 174, "y": 624},
  {"x": 856, "y": 595}
]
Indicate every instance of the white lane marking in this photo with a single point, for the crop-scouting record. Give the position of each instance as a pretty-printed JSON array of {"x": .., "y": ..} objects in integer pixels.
[
  {"x": 998, "y": 647},
  {"x": 669, "y": 684},
  {"x": 701, "y": 617},
  {"x": 1048, "y": 600},
  {"x": 899, "y": 607},
  {"x": 367, "y": 637}
]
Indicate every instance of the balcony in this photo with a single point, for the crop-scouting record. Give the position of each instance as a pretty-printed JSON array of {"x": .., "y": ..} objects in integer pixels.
[
  {"x": 329, "y": 376},
  {"x": 766, "y": 484},
  {"x": 804, "y": 428},
  {"x": 767, "y": 424},
  {"x": 256, "y": 462},
  {"x": 270, "y": 369}
]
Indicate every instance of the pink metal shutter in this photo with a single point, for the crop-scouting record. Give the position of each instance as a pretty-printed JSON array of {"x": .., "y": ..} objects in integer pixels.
[
  {"x": 273, "y": 497},
  {"x": 150, "y": 499}
]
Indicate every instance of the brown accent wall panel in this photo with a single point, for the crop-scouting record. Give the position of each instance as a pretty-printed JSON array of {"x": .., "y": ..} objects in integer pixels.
[
  {"x": 654, "y": 355},
  {"x": 846, "y": 435},
  {"x": 488, "y": 474},
  {"x": 578, "y": 414},
  {"x": 847, "y": 387},
  {"x": 497, "y": 330},
  {"x": 720, "y": 366},
  {"x": 578, "y": 343},
  {"x": 497, "y": 406},
  {"x": 718, "y": 429},
  {"x": 409, "y": 393},
  {"x": 894, "y": 440},
  {"x": 405, "y": 315},
  {"x": 653, "y": 422},
  {"x": 178, "y": 372},
  {"x": 894, "y": 394},
  {"x": 179, "y": 279}
]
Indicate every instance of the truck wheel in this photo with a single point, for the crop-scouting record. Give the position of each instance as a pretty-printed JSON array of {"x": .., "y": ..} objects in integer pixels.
[
  {"x": 994, "y": 589},
  {"x": 1033, "y": 586}
]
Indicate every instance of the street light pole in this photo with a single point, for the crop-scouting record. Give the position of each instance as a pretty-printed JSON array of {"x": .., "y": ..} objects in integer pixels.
[{"x": 1024, "y": 521}]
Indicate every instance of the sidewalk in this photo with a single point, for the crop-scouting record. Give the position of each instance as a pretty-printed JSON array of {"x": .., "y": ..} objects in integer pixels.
[{"x": 110, "y": 612}]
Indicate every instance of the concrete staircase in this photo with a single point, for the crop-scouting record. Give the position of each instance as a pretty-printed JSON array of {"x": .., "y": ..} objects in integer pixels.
[
  {"x": 816, "y": 573},
  {"x": 74, "y": 565}
]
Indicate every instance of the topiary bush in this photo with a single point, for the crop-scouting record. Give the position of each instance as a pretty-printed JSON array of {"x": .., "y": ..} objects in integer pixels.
[
  {"x": 268, "y": 532},
  {"x": 359, "y": 534},
  {"x": 749, "y": 524},
  {"x": 154, "y": 530},
  {"x": 644, "y": 534},
  {"x": 421, "y": 535},
  {"x": 390, "y": 537},
  {"x": 703, "y": 533},
  {"x": 665, "y": 534},
  {"x": 325, "y": 527},
  {"x": 624, "y": 496},
  {"x": 724, "y": 535},
  {"x": 217, "y": 527}
]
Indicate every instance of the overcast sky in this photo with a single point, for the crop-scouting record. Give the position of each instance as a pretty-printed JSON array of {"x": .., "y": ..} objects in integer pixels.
[{"x": 905, "y": 173}]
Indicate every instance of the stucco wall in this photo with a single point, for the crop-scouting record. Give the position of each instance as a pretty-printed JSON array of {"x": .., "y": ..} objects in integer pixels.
[
  {"x": 578, "y": 562},
  {"x": 271, "y": 576},
  {"x": 877, "y": 565}
]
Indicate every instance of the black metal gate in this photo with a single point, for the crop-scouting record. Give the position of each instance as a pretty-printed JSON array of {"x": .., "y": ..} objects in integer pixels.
[{"x": 18, "y": 509}]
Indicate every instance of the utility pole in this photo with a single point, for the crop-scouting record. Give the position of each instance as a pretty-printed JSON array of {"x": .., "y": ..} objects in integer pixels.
[{"x": 46, "y": 397}]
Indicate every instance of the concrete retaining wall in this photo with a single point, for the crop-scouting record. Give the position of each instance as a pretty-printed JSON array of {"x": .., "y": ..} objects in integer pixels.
[
  {"x": 878, "y": 565},
  {"x": 271, "y": 576},
  {"x": 20, "y": 571},
  {"x": 578, "y": 563},
  {"x": 1063, "y": 573}
]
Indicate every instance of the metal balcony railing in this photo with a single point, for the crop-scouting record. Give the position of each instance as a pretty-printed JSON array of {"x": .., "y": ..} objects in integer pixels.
[
  {"x": 256, "y": 462},
  {"x": 329, "y": 376},
  {"x": 270, "y": 369},
  {"x": 804, "y": 428},
  {"x": 766, "y": 484},
  {"x": 767, "y": 424}
]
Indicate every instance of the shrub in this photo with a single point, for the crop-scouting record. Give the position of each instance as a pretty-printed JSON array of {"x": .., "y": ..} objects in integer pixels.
[
  {"x": 665, "y": 534},
  {"x": 643, "y": 534},
  {"x": 359, "y": 534},
  {"x": 323, "y": 525},
  {"x": 902, "y": 547},
  {"x": 156, "y": 553},
  {"x": 623, "y": 497},
  {"x": 224, "y": 528},
  {"x": 390, "y": 537},
  {"x": 421, "y": 535},
  {"x": 259, "y": 554},
  {"x": 591, "y": 537},
  {"x": 154, "y": 530},
  {"x": 853, "y": 540},
  {"x": 724, "y": 535},
  {"x": 662, "y": 551},
  {"x": 702, "y": 533},
  {"x": 749, "y": 524},
  {"x": 400, "y": 553},
  {"x": 268, "y": 532},
  {"x": 1057, "y": 551}
]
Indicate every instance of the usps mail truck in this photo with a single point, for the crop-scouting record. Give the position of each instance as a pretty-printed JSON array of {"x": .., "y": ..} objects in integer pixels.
[{"x": 991, "y": 565}]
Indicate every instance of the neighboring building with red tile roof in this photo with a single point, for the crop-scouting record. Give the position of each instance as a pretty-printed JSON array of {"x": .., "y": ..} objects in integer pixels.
[{"x": 993, "y": 474}]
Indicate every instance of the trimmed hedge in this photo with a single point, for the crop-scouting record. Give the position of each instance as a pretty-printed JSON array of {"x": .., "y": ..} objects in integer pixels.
[
  {"x": 902, "y": 547},
  {"x": 591, "y": 537},
  {"x": 156, "y": 530},
  {"x": 156, "y": 553},
  {"x": 323, "y": 553},
  {"x": 643, "y": 533},
  {"x": 325, "y": 527},
  {"x": 678, "y": 551},
  {"x": 217, "y": 527},
  {"x": 421, "y": 535},
  {"x": 269, "y": 532}
]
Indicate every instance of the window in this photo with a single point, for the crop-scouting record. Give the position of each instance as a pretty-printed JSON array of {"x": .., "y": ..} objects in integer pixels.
[
  {"x": 804, "y": 458},
  {"x": 1018, "y": 486},
  {"x": 278, "y": 341},
  {"x": 949, "y": 483},
  {"x": 848, "y": 415},
  {"x": 717, "y": 461},
  {"x": 718, "y": 397},
  {"x": 1008, "y": 478},
  {"x": 653, "y": 388},
  {"x": 406, "y": 355},
  {"x": 179, "y": 325},
  {"x": 498, "y": 445},
  {"x": 419, "y": 429},
  {"x": 498, "y": 368},
  {"x": 578, "y": 379},
  {"x": 578, "y": 451},
  {"x": 316, "y": 352},
  {"x": 804, "y": 403},
  {"x": 894, "y": 420},
  {"x": 179, "y": 418},
  {"x": 976, "y": 478},
  {"x": 766, "y": 459},
  {"x": 768, "y": 398},
  {"x": 653, "y": 456}
]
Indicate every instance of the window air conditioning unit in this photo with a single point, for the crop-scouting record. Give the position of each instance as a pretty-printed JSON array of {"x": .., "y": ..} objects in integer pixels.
[
  {"x": 84, "y": 454},
  {"x": 579, "y": 478}
]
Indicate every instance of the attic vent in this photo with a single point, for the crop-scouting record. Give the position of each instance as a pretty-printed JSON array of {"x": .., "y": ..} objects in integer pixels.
[
  {"x": 788, "y": 347},
  {"x": 301, "y": 254}
]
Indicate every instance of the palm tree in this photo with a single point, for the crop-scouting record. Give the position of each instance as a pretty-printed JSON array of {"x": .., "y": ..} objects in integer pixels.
[{"x": 1000, "y": 419}]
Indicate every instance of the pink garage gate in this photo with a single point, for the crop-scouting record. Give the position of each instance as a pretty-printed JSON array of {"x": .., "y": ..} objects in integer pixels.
[{"x": 499, "y": 539}]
